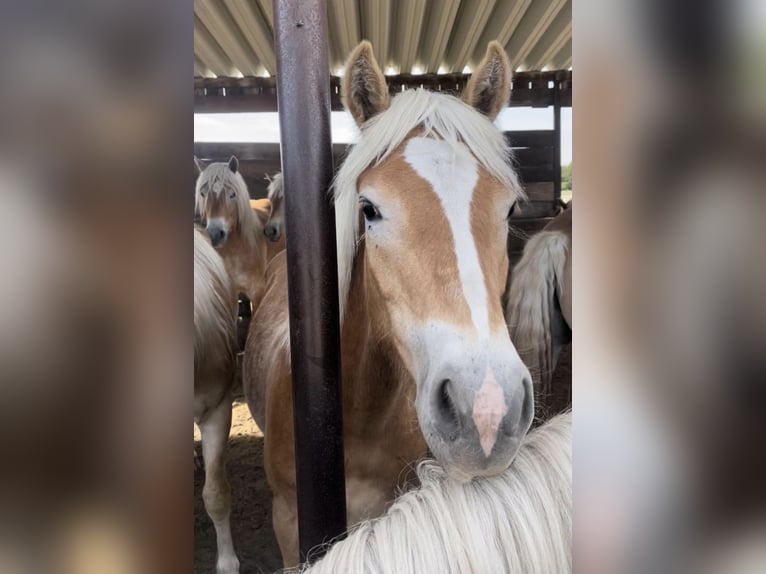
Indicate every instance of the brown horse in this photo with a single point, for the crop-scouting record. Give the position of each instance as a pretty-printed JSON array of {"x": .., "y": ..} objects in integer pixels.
[
  {"x": 215, "y": 313},
  {"x": 539, "y": 308},
  {"x": 421, "y": 205},
  {"x": 235, "y": 230}
]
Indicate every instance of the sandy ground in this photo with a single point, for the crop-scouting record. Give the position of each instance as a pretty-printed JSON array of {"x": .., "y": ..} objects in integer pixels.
[{"x": 254, "y": 539}]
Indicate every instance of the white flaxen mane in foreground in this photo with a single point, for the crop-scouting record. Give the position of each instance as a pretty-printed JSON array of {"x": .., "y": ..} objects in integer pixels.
[
  {"x": 217, "y": 178},
  {"x": 519, "y": 522},
  {"x": 440, "y": 116},
  {"x": 215, "y": 312}
]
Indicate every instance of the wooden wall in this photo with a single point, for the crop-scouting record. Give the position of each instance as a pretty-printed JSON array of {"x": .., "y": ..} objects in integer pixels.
[{"x": 535, "y": 158}]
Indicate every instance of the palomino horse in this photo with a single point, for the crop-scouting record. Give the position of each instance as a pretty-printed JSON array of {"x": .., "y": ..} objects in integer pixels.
[
  {"x": 275, "y": 226},
  {"x": 262, "y": 208},
  {"x": 421, "y": 205},
  {"x": 215, "y": 313},
  {"x": 539, "y": 310},
  {"x": 265, "y": 210},
  {"x": 519, "y": 521},
  {"x": 235, "y": 230}
]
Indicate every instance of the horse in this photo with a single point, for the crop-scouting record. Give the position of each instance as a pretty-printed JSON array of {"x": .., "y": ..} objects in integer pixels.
[
  {"x": 215, "y": 362},
  {"x": 265, "y": 208},
  {"x": 539, "y": 309},
  {"x": 274, "y": 227},
  {"x": 275, "y": 220},
  {"x": 519, "y": 521},
  {"x": 235, "y": 230},
  {"x": 421, "y": 206},
  {"x": 262, "y": 208}
]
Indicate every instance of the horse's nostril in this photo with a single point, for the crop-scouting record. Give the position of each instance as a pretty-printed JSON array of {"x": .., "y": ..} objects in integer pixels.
[
  {"x": 445, "y": 402},
  {"x": 528, "y": 408},
  {"x": 448, "y": 417},
  {"x": 519, "y": 421}
]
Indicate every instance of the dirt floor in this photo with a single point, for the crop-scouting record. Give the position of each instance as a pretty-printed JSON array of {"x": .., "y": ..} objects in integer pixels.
[{"x": 254, "y": 539}]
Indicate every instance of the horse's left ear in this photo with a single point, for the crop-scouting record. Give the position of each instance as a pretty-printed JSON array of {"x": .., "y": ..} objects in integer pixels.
[
  {"x": 364, "y": 89},
  {"x": 233, "y": 164},
  {"x": 199, "y": 166},
  {"x": 489, "y": 88}
]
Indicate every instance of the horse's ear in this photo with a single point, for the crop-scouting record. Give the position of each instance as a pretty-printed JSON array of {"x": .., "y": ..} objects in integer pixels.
[
  {"x": 365, "y": 93},
  {"x": 489, "y": 88},
  {"x": 198, "y": 165},
  {"x": 233, "y": 163}
]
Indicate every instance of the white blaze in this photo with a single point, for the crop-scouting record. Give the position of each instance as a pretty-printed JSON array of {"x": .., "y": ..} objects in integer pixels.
[{"x": 452, "y": 172}]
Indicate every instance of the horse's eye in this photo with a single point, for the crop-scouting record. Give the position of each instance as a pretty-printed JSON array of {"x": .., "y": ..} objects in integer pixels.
[
  {"x": 512, "y": 210},
  {"x": 371, "y": 212},
  {"x": 202, "y": 194},
  {"x": 232, "y": 195}
]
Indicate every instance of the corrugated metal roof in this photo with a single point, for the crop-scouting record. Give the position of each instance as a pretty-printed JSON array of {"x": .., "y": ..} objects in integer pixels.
[{"x": 234, "y": 38}]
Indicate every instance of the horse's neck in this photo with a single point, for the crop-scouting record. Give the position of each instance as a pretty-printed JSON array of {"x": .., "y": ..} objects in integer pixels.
[
  {"x": 377, "y": 390},
  {"x": 246, "y": 263}
]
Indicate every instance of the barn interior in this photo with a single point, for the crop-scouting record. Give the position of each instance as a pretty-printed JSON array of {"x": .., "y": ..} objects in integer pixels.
[{"x": 434, "y": 44}]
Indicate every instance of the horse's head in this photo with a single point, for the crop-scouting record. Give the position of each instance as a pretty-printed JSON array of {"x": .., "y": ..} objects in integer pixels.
[
  {"x": 275, "y": 225},
  {"x": 221, "y": 196},
  {"x": 433, "y": 183}
]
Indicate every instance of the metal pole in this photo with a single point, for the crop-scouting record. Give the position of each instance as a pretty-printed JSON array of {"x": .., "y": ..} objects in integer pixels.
[{"x": 303, "y": 98}]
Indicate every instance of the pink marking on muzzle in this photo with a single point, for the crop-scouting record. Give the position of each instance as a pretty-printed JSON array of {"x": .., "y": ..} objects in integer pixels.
[{"x": 489, "y": 408}]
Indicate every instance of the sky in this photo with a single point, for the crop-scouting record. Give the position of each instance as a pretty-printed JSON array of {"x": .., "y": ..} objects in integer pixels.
[{"x": 264, "y": 127}]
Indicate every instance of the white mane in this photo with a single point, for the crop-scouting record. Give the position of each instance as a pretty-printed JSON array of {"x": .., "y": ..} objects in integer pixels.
[
  {"x": 441, "y": 117},
  {"x": 217, "y": 178},
  {"x": 519, "y": 522},
  {"x": 276, "y": 187},
  {"x": 215, "y": 311}
]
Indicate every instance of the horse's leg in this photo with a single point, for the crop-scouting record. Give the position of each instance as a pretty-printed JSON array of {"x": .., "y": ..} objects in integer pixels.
[
  {"x": 285, "y": 520},
  {"x": 216, "y": 495}
]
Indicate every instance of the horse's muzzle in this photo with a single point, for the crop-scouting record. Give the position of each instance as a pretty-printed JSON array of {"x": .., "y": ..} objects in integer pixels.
[
  {"x": 272, "y": 232},
  {"x": 217, "y": 235}
]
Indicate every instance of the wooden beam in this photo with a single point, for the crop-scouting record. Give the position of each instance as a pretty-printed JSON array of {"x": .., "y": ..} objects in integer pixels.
[{"x": 253, "y": 94}]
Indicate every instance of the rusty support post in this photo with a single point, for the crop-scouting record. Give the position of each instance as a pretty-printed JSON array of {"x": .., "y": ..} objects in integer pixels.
[{"x": 303, "y": 98}]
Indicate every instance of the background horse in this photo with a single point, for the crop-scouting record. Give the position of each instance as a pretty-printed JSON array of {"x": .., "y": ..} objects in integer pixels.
[
  {"x": 539, "y": 309},
  {"x": 235, "y": 230},
  {"x": 275, "y": 227},
  {"x": 215, "y": 314},
  {"x": 421, "y": 205},
  {"x": 262, "y": 208},
  {"x": 519, "y": 522},
  {"x": 266, "y": 210}
]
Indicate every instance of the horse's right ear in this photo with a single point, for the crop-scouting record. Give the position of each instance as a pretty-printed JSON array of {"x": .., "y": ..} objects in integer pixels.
[
  {"x": 198, "y": 165},
  {"x": 365, "y": 93}
]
